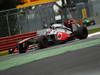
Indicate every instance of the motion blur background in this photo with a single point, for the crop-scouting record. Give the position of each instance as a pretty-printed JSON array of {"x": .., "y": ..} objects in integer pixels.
[{"x": 20, "y": 20}]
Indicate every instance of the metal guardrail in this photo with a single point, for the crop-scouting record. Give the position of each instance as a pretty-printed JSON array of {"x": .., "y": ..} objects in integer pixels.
[{"x": 10, "y": 42}]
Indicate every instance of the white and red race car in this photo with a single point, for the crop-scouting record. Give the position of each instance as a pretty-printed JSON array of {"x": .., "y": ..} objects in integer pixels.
[{"x": 56, "y": 33}]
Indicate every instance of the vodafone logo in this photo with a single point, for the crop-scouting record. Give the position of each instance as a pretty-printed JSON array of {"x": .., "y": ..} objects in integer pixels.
[
  {"x": 59, "y": 35},
  {"x": 62, "y": 36}
]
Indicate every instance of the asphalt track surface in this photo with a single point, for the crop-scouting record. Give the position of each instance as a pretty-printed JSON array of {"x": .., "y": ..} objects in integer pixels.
[{"x": 85, "y": 61}]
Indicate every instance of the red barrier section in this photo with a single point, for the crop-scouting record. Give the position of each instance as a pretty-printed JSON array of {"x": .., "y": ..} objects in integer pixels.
[{"x": 10, "y": 42}]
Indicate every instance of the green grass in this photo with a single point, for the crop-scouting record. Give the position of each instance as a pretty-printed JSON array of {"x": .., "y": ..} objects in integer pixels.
[{"x": 94, "y": 30}]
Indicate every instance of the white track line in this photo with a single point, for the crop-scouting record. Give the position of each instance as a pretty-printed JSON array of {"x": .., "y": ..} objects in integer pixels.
[{"x": 91, "y": 35}]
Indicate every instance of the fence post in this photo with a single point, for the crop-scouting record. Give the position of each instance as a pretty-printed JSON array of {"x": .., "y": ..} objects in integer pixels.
[
  {"x": 8, "y": 25},
  {"x": 19, "y": 26}
]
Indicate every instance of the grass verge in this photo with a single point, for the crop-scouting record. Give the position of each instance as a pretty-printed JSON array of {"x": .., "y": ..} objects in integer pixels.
[
  {"x": 94, "y": 30},
  {"x": 2, "y": 53}
]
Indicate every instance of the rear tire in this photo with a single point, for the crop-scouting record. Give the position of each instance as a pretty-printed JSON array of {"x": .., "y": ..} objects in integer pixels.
[
  {"x": 93, "y": 23},
  {"x": 82, "y": 32}
]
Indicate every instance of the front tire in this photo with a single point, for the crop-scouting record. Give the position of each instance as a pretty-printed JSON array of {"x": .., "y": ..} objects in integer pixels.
[
  {"x": 42, "y": 42},
  {"x": 23, "y": 47}
]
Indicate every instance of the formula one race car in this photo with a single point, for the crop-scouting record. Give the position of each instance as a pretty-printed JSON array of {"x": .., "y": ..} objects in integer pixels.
[
  {"x": 56, "y": 33},
  {"x": 89, "y": 21},
  {"x": 59, "y": 33}
]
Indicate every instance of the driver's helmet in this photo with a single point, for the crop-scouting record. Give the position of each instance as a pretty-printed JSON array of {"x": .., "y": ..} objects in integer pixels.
[{"x": 86, "y": 20}]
